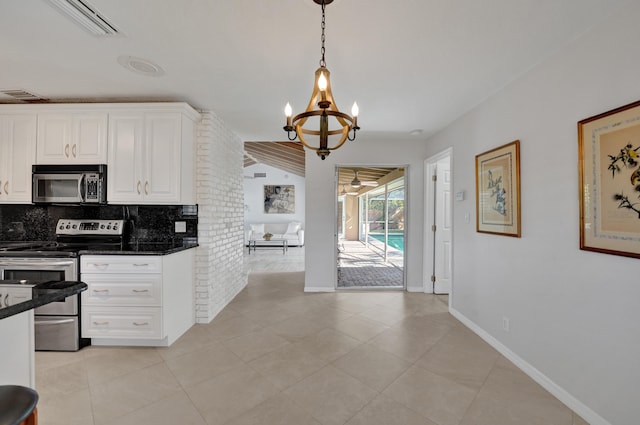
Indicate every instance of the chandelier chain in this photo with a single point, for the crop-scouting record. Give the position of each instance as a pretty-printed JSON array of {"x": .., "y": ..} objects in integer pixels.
[{"x": 322, "y": 61}]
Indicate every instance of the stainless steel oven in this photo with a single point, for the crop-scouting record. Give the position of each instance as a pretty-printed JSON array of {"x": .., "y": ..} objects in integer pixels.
[{"x": 57, "y": 325}]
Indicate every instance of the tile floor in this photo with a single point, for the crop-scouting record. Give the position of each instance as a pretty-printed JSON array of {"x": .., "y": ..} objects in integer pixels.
[{"x": 276, "y": 355}]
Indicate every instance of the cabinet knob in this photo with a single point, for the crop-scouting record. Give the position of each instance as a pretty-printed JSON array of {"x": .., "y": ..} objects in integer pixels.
[{"x": 66, "y": 150}]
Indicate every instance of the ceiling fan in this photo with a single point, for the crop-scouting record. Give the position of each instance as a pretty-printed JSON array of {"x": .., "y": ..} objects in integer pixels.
[
  {"x": 357, "y": 183},
  {"x": 344, "y": 191}
]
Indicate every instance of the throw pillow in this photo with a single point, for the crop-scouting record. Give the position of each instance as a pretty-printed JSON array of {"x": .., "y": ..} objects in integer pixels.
[{"x": 293, "y": 227}]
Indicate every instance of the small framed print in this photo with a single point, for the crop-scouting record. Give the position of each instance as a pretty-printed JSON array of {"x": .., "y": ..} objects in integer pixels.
[
  {"x": 498, "y": 190},
  {"x": 609, "y": 167}
]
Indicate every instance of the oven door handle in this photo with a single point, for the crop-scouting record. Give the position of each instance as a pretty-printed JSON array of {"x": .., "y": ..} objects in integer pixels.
[
  {"x": 81, "y": 188},
  {"x": 37, "y": 264},
  {"x": 53, "y": 322}
]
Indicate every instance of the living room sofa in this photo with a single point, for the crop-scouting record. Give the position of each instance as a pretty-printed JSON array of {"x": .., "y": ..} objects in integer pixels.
[{"x": 291, "y": 231}]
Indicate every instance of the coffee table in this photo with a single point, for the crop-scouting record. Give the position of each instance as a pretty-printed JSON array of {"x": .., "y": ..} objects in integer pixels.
[{"x": 271, "y": 243}]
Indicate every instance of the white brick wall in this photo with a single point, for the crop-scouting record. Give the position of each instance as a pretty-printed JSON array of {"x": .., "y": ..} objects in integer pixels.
[{"x": 219, "y": 192}]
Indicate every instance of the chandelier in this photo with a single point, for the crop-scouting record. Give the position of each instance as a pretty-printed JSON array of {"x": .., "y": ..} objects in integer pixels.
[{"x": 326, "y": 111}]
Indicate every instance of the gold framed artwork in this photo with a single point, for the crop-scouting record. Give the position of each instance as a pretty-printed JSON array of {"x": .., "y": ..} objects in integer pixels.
[
  {"x": 609, "y": 167},
  {"x": 498, "y": 190}
]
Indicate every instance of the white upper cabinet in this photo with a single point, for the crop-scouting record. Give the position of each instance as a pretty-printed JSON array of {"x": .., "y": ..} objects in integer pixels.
[
  {"x": 150, "y": 157},
  {"x": 17, "y": 155},
  {"x": 72, "y": 137}
]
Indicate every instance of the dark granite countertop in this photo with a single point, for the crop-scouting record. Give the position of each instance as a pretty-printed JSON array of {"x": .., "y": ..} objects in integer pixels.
[
  {"x": 141, "y": 249},
  {"x": 44, "y": 293}
]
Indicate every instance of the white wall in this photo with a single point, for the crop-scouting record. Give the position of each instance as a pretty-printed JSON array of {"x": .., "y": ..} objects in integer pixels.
[
  {"x": 254, "y": 195},
  {"x": 574, "y": 315},
  {"x": 220, "y": 272},
  {"x": 320, "y": 263}
]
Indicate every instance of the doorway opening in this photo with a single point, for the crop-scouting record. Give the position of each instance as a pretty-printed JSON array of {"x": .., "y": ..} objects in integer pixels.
[{"x": 371, "y": 227}]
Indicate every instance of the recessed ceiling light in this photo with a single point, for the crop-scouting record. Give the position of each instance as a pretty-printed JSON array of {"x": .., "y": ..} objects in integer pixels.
[
  {"x": 141, "y": 66},
  {"x": 416, "y": 132}
]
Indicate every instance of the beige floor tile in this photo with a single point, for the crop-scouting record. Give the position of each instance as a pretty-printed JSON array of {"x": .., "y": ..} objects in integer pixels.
[
  {"x": 423, "y": 326},
  {"x": 53, "y": 359},
  {"x": 255, "y": 344},
  {"x": 226, "y": 314},
  {"x": 66, "y": 409},
  {"x": 387, "y": 316},
  {"x": 269, "y": 316},
  {"x": 297, "y": 327},
  {"x": 439, "y": 399},
  {"x": 173, "y": 410},
  {"x": 104, "y": 364},
  {"x": 278, "y": 410},
  {"x": 371, "y": 366},
  {"x": 384, "y": 410},
  {"x": 328, "y": 344},
  {"x": 64, "y": 379},
  {"x": 231, "y": 394},
  {"x": 203, "y": 364},
  {"x": 509, "y": 396},
  {"x": 464, "y": 366},
  {"x": 577, "y": 420},
  {"x": 359, "y": 328},
  {"x": 127, "y": 394},
  {"x": 194, "y": 339},
  {"x": 331, "y": 396},
  {"x": 406, "y": 344},
  {"x": 286, "y": 366},
  {"x": 231, "y": 328}
]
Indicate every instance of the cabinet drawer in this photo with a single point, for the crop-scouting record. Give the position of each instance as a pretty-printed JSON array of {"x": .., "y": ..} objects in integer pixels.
[
  {"x": 120, "y": 264},
  {"x": 121, "y": 289},
  {"x": 122, "y": 322}
]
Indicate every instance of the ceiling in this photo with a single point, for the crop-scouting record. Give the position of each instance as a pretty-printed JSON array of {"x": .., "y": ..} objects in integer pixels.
[{"x": 410, "y": 64}]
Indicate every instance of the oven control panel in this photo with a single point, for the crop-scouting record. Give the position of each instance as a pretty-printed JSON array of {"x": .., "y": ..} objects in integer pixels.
[{"x": 67, "y": 226}]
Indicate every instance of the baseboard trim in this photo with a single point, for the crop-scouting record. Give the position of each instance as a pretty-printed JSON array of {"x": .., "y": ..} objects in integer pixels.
[
  {"x": 560, "y": 393},
  {"x": 318, "y": 289}
]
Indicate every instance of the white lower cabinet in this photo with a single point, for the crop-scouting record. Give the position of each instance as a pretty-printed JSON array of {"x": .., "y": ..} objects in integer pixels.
[{"x": 137, "y": 300}]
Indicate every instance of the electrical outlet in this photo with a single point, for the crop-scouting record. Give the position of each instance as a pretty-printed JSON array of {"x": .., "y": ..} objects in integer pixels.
[
  {"x": 505, "y": 324},
  {"x": 181, "y": 226}
]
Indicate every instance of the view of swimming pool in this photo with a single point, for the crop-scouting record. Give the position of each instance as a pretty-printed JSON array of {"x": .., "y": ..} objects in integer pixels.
[{"x": 395, "y": 240}]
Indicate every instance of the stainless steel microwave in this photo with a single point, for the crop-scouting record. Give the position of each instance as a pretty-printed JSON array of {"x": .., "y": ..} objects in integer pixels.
[{"x": 70, "y": 184}]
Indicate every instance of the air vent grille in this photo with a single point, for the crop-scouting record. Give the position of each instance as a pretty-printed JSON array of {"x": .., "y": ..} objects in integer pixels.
[
  {"x": 259, "y": 175},
  {"x": 86, "y": 16},
  {"x": 22, "y": 95}
]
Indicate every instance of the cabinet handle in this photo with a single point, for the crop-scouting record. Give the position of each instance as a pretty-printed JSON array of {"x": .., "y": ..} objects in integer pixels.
[
  {"x": 73, "y": 150},
  {"x": 100, "y": 264},
  {"x": 6, "y": 184},
  {"x": 140, "y": 290},
  {"x": 66, "y": 150},
  {"x": 100, "y": 323},
  {"x": 140, "y": 264},
  {"x": 138, "y": 187},
  {"x": 146, "y": 188},
  {"x": 0, "y": 186},
  {"x": 140, "y": 324},
  {"x": 101, "y": 290},
  {"x": 6, "y": 300}
]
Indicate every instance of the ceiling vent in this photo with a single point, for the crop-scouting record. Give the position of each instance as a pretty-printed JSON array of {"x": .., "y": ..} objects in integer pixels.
[
  {"x": 25, "y": 96},
  {"x": 86, "y": 16}
]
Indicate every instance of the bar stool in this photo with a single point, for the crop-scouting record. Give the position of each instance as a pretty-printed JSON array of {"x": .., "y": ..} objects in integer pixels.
[{"x": 18, "y": 405}]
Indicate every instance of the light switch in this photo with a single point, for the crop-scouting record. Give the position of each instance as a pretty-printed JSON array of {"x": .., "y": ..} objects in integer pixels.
[
  {"x": 181, "y": 226},
  {"x": 460, "y": 196}
]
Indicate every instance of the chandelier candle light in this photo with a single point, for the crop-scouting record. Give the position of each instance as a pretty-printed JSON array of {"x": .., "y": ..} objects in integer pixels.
[{"x": 323, "y": 97}]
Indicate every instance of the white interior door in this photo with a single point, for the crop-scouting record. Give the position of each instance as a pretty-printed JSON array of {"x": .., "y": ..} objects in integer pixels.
[{"x": 443, "y": 218}]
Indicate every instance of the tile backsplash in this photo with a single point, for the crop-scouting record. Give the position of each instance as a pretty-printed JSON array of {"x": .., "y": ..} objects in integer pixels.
[{"x": 144, "y": 223}]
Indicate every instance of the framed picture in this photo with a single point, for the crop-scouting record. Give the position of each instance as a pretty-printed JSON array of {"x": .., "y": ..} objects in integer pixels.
[
  {"x": 609, "y": 166},
  {"x": 279, "y": 199},
  {"x": 498, "y": 190}
]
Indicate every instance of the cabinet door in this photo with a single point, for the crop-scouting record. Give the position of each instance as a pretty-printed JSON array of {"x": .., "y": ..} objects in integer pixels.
[
  {"x": 54, "y": 138},
  {"x": 124, "y": 176},
  {"x": 72, "y": 137},
  {"x": 162, "y": 158},
  {"x": 89, "y": 144},
  {"x": 19, "y": 143}
]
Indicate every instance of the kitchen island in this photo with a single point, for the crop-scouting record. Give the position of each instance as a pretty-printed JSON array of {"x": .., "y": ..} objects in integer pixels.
[{"x": 17, "y": 357}]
